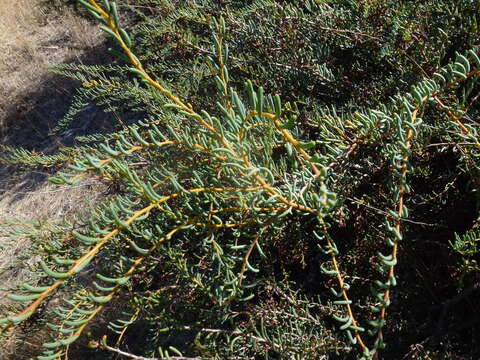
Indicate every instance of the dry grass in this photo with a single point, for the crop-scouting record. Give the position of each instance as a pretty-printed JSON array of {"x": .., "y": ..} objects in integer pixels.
[{"x": 31, "y": 40}]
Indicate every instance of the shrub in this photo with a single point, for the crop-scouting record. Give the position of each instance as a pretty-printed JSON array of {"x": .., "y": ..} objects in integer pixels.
[{"x": 262, "y": 228}]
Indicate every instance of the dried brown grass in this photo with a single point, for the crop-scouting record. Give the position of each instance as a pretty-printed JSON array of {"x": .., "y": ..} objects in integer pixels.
[{"x": 32, "y": 38}]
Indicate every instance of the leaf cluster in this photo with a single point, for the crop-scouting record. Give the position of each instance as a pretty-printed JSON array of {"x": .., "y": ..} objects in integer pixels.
[{"x": 287, "y": 178}]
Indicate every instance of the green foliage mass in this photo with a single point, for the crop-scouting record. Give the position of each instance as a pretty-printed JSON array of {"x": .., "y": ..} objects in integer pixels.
[{"x": 294, "y": 180}]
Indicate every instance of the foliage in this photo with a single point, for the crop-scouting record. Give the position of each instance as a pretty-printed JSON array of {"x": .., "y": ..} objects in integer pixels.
[{"x": 252, "y": 228}]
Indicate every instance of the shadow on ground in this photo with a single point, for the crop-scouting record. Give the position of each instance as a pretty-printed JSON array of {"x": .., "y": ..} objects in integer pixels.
[
  {"x": 29, "y": 122},
  {"x": 24, "y": 192}
]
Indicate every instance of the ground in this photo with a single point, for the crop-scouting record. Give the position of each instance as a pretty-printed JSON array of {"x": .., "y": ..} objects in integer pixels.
[{"x": 34, "y": 36}]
